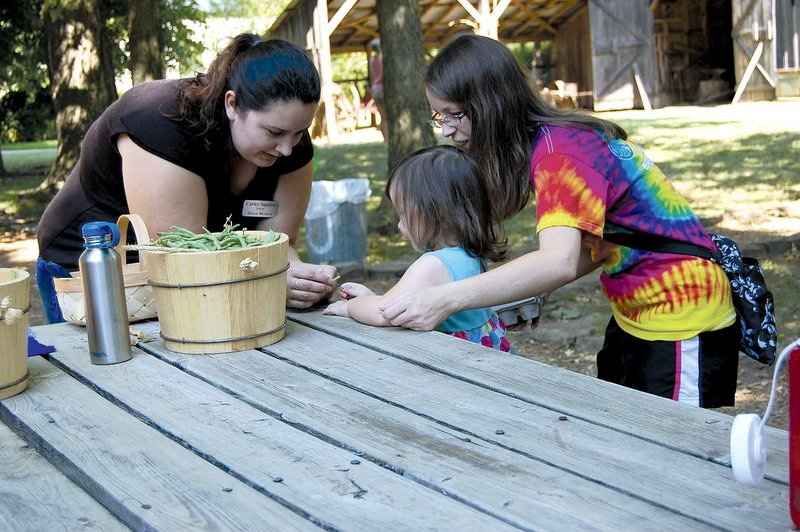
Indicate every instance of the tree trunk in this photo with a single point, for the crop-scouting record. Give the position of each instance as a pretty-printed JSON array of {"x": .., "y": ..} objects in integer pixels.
[
  {"x": 145, "y": 40},
  {"x": 81, "y": 75},
  {"x": 407, "y": 108},
  {"x": 2, "y": 166}
]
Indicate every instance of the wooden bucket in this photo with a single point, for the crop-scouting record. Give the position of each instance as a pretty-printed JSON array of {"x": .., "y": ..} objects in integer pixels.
[
  {"x": 15, "y": 298},
  {"x": 209, "y": 302}
]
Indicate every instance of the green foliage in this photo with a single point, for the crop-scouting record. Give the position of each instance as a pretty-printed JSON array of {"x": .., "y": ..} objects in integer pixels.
[
  {"x": 115, "y": 28},
  {"x": 26, "y": 109},
  {"x": 26, "y": 117},
  {"x": 180, "y": 49},
  {"x": 26, "y": 112},
  {"x": 247, "y": 8},
  {"x": 349, "y": 66},
  {"x": 524, "y": 52},
  {"x": 535, "y": 56}
]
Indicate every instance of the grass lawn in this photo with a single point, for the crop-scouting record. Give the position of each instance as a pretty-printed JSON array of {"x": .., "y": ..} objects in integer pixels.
[
  {"x": 727, "y": 157},
  {"x": 722, "y": 158},
  {"x": 28, "y": 158},
  {"x": 19, "y": 146}
]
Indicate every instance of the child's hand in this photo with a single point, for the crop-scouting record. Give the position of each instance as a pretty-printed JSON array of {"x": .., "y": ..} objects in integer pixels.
[
  {"x": 351, "y": 290},
  {"x": 339, "y": 308}
]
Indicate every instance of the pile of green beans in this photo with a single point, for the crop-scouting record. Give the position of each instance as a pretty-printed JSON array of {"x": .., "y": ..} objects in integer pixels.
[{"x": 228, "y": 238}]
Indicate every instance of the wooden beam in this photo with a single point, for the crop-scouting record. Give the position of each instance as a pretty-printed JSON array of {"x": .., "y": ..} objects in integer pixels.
[
  {"x": 487, "y": 25},
  {"x": 534, "y": 18},
  {"x": 499, "y": 9},
  {"x": 563, "y": 8},
  {"x": 342, "y": 12},
  {"x": 751, "y": 66},
  {"x": 639, "y": 85},
  {"x": 760, "y": 68},
  {"x": 323, "y": 44},
  {"x": 470, "y": 9},
  {"x": 447, "y": 14}
]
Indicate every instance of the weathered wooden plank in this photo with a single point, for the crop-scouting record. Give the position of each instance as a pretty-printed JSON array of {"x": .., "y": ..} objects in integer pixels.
[
  {"x": 489, "y": 474},
  {"x": 332, "y": 484},
  {"x": 531, "y": 431},
  {"x": 34, "y": 496},
  {"x": 674, "y": 478},
  {"x": 143, "y": 478},
  {"x": 698, "y": 432}
]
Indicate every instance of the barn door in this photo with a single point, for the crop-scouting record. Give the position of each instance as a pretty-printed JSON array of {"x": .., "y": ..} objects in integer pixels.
[
  {"x": 624, "y": 72},
  {"x": 753, "y": 35}
]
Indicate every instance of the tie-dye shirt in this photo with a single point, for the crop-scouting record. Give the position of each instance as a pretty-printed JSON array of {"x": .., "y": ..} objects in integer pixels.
[{"x": 583, "y": 181}]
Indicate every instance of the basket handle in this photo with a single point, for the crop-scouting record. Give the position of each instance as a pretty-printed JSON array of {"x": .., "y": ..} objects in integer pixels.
[{"x": 142, "y": 237}]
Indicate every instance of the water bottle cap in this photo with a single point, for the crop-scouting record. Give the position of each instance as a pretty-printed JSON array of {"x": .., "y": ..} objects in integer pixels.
[
  {"x": 748, "y": 449},
  {"x": 101, "y": 229}
]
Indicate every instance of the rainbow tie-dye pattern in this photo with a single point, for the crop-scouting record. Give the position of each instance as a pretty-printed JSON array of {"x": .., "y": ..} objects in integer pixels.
[{"x": 583, "y": 181}]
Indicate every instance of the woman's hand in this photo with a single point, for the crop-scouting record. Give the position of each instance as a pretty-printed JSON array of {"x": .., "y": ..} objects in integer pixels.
[
  {"x": 307, "y": 284},
  {"x": 421, "y": 310},
  {"x": 351, "y": 290}
]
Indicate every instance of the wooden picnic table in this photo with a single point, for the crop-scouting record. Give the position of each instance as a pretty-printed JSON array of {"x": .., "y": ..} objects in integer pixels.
[{"x": 342, "y": 426}]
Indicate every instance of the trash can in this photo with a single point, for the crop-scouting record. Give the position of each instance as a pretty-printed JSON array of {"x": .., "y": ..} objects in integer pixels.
[{"x": 336, "y": 221}]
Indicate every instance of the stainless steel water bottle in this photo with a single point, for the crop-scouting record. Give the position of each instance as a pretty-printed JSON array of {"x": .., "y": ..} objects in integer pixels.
[{"x": 104, "y": 294}]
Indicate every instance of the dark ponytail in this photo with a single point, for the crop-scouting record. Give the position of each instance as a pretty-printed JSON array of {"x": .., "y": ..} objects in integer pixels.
[{"x": 258, "y": 72}]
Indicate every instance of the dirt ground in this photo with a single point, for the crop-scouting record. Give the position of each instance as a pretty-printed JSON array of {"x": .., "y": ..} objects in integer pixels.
[{"x": 574, "y": 318}]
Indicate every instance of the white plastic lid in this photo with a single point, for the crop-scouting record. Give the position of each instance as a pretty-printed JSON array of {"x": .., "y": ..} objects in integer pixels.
[{"x": 748, "y": 450}]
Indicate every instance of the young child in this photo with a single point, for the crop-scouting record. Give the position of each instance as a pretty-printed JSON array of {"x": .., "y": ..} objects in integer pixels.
[{"x": 445, "y": 212}]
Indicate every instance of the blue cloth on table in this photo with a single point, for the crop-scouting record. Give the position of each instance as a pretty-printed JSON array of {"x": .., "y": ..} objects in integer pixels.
[
  {"x": 35, "y": 347},
  {"x": 45, "y": 273}
]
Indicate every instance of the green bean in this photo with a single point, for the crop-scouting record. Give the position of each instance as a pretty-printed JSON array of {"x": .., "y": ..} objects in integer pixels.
[{"x": 228, "y": 238}]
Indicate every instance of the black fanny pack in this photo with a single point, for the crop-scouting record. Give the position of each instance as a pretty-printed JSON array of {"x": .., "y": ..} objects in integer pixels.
[{"x": 752, "y": 299}]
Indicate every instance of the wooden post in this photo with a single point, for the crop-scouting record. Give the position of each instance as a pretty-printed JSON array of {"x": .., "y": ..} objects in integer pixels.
[{"x": 323, "y": 45}]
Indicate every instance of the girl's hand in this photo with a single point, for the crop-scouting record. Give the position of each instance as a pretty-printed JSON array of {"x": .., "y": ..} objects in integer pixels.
[
  {"x": 339, "y": 308},
  {"x": 351, "y": 290},
  {"x": 307, "y": 284}
]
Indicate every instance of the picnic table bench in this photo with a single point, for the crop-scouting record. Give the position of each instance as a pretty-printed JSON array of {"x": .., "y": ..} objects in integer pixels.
[{"x": 342, "y": 426}]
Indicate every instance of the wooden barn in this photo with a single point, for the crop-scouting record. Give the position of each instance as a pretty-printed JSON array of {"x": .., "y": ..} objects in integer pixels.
[{"x": 612, "y": 54}]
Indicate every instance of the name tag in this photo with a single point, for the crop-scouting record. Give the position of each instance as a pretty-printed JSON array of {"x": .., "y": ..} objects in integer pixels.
[{"x": 260, "y": 208}]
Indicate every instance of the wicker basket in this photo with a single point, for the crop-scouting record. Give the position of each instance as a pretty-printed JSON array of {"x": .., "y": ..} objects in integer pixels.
[{"x": 138, "y": 293}]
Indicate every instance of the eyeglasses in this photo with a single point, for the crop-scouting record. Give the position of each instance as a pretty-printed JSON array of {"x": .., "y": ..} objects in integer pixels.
[{"x": 450, "y": 120}]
